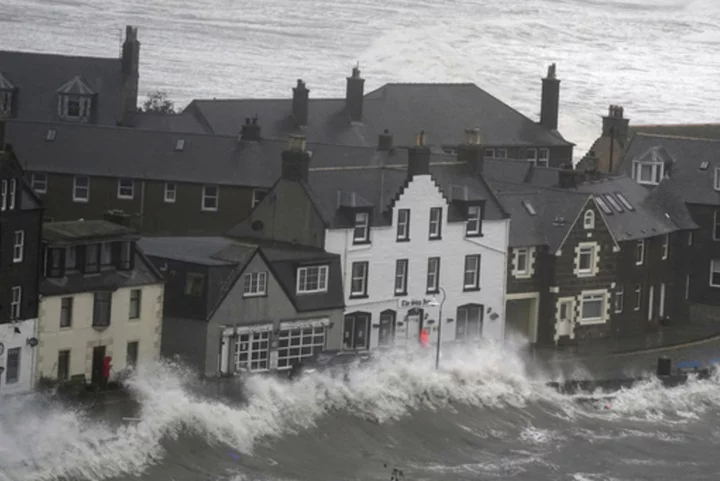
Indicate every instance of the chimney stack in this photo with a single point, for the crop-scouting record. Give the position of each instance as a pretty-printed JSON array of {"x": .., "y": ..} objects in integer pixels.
[
  {"x": 419, "y": 157},
  {"x": 550, "y": 102},
  {"x": 130, "y": 67},
  {"x": 300, "y": 105},
  {"x": 385, "y": 141},
  {"x": 567, "y": 177},
  {"x": 251, "y": 130},
  {"x": 354, "y": 95},
  {"x": 615, "y": 125},
  {"x": 295, "y": 160},
  {"x": 472, "y": 151}
]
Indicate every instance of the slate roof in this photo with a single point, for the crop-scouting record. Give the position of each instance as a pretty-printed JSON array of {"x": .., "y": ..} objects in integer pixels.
[
  {"x": 687, "y": 155},
  {"x": 38, "y": 76},
  {"x": 83, "y": 230},
  {"x": 443, "y": 111},
  {"x": 168, "y": 122},
  {"x": 699, "y": 131},
  {"x": 144, "y": 154},
  {"x": 283, "y": 261}
]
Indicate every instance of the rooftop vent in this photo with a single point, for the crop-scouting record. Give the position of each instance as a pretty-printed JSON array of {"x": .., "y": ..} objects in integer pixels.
[
  {"x": 559, "y": 221},
  {"x": 529, "y": 207}
]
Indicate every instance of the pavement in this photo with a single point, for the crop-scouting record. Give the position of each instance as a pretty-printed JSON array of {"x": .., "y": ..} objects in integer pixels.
[{"x": 629, "y": 356}]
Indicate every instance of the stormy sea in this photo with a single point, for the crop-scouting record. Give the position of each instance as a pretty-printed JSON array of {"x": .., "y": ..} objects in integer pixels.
[
  {"x": 657, "y": 58},
  {"x": 485, "y": 414}
]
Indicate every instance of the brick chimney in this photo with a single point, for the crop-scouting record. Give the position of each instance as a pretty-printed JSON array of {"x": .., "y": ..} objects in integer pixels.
[
  {"x": 550, "y": 102},
  {"x": 615, "y": 124},
  {"x": 472, "y": 151},
  {"x": 295, "y": 160},
  {"x": 385, "y": 141},
  {"x": 419, "y": 157},
  {"x": 300, "y": 105},
  {"x": 354, "y": 95},
  {"x": 130, "y": 68},
  {"x": 251, "y": 130}
]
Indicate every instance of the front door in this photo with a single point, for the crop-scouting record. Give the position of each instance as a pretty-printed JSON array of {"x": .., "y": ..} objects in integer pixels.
[
  {"x": 356, "y": 330},
  {"x": 387, "y": 329},
  {"x": 97, "y": 365},
  {"x": 564, "y": 323},
  {"x": 414, "y": 325}
]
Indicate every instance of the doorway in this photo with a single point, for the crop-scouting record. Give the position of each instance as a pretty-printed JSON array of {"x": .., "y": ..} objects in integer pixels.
[
  {"x": 356, "y": 331},
  {"x": 97, "y": 365},
  {"x": 416, "y": 323},
  {"x": 565, "y": 322},
  {"x": 386, "y": 336}
]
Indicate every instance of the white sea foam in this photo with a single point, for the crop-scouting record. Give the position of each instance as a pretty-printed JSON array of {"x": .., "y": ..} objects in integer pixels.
[{"x": 43, "y": 444}]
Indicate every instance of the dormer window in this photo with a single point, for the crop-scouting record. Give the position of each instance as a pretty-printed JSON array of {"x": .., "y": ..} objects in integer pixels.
[
  {"x": 312, "y": 279},
  {"x": 589, "y": 220},
  {"x": 75, "y": 100},
  {"x": 361, "y": 233},
  {"x": 473, "y": 227},
  {"x": 648, "y": 172}
]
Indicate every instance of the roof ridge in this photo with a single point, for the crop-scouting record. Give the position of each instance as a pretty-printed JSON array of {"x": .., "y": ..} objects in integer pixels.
[
  {"x": 675, "y": 125},
  {"x": 50, "y": 54},
  {"x": 679, "y": 137}
]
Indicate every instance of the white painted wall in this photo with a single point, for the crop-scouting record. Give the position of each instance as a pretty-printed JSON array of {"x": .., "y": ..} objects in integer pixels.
[
  {"x": 10, "y": 340},
  {"x": 384, "y": 250},
  {"x": 81, "y": 337}
]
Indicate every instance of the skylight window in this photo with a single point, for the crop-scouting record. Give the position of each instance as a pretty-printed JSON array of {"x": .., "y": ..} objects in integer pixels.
[
  {"x": 603, "y": 205},
  {"x": 180, "y": 144},
  {"x": 704, "y": 165},
  {"x": 611, "y": 200},
  {"x": 624, "y": 201},
  {"x": 528, "y": 206}
]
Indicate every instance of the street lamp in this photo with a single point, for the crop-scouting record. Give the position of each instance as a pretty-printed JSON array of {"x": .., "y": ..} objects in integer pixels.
[{"x": 434, "y": 303}]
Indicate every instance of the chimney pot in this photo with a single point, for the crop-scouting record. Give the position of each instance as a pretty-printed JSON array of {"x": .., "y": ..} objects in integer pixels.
[
  {"x": 301, "y": 103},
  {"x": 550, "y": 100},
  {"x": 251, "y": 131},
  {"x": 615, "y": 124},
  {"x": 472, "y": 151},
  {"x": 420, "y": 139}
]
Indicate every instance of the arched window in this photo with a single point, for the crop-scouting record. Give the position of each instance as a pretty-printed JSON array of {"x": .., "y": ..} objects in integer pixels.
[{"x": 589, "y": 220}]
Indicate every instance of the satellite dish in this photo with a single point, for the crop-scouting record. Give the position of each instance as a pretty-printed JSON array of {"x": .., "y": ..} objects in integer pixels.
[
  {"x": 494, "y": 316},
  {"x": 32, "y": 342}
]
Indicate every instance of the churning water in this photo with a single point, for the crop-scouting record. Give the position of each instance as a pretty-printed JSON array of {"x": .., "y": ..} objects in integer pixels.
[
  {"x": 656, "y": 57},
  {"x": 480, "y": 417}
]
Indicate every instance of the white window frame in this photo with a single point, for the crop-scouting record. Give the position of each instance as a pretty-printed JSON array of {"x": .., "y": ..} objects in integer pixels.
[
  {"x": 432, "y": 278},
  {"x": 255, "y": 284},
  {"x": 543, "y": 157},
  {"x": 301, "y": 334},
  {"x": 16, "y": 303},
  {"x": 640, "y": 247},
  {"x": 435, "y": 228},
  {"x": 619, "y": 299},
  {"x": 638, "y": 297},
  {"x": 690, "y": 238},
  {"x": 474, "y": 221},
  {"x": 302, "y": 273},
  {"x": 717, "y": 179},
  {"x": 531, "y": 155},
  {"x": 76, "y": 187},
  {"x": 714, "y": 269},
  {"x": 475, "y": 285},
  {"x": 3, "y": 194},
  {"x": 657, "y": 171},
  {"x": 126, "y": 189},
  {"x": 666, "y": 247},
  {"x": 596, "y": 295},
  {"x": 11, "y": 194},
  {"x": 256, "y": 192},
  {"x": 39, "y": 182},
  {"x": 589, "y": 219},
  {"x": 401, "y": 275},
  {"x": 361, "y": 276},
  {"x": 84, "y": 106},
  {"x": 18, "y": 246},
  {"x": 716, "y": 226},
  {"x": 252, "y": 342},
  {"x": 582, "y": 249},
  {"x": 517, "y": 271},
  {"x": 661, "y": 303},
  {"x": 361, "y": 229},
  {"x": 403, "y": 225},
  {"x": 206, "y": 197},
  {"x": 170, "y": 192}
]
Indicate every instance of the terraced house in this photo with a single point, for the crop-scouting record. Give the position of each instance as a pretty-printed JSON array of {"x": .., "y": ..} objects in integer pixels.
[
  {"x": 101, "y": 297},
  {"x": 590, "y": 257},
  {"x": 413, "y": 237},
  {"x": 687, "y": 170},
  {"x": 20, "y": 238}
]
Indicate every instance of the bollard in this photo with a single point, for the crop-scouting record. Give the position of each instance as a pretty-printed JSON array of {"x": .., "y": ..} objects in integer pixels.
[{"x": 664, "y": 366}]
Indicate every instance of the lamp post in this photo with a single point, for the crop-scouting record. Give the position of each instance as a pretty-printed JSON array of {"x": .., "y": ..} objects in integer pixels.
[{"x": 434, "y": 302}]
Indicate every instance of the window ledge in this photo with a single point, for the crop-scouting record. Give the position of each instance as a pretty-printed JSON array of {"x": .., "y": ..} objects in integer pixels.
[
  {"x": 101, "y": 328},
  {"x": 591, "y": 322},
  {"x": 358, "y": 296},
  {"x": 401, "y": 294},
  {"x": 259, "y": 294},
  {"x": 471, "y": 289},
  {"x": 522, "y": 275},
  {"x": 434, "y": 238},
  {"x": 361, "y": 242},
  {"x": 403, "y": 239},
  {"x": 585, "y": 274},
  {"x": 474, "y": 234}
]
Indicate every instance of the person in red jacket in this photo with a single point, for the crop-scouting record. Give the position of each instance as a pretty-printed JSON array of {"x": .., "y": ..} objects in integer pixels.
[
  {"x": 424, "y": 338},
  {"x": 107, "y": 365}
]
